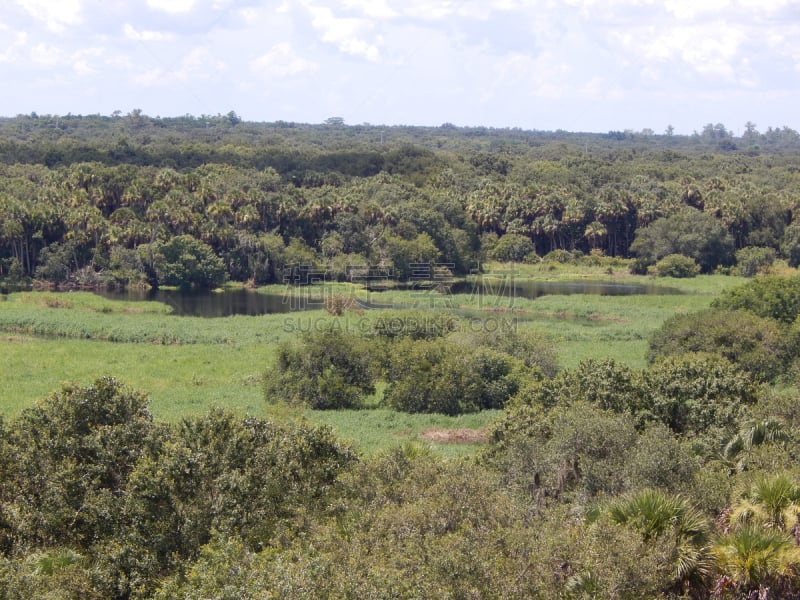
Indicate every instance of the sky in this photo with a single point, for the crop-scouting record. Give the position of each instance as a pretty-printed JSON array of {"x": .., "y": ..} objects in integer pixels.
[{"x": 576, "y": 65}]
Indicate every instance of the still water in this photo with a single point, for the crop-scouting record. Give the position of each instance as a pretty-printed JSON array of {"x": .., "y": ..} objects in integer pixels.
[
  {"x": 209, "y": 304},
  {"x": 248, "y": 302}
]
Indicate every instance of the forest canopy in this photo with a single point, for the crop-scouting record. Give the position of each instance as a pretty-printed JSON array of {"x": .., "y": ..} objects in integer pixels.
[{"x": 94, "y": 200}]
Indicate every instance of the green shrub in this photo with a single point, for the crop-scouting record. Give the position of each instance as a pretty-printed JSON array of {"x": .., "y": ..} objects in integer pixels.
[
  {"x": 754, "y": 343},
  {"x": 689, "y": 232},
  {"x": 187, "y": 262},
  {"x": 695, "y": 393},
  {"x": 440, "y": 376},
  {"x": 770, "y": 296},
  {"x": 326, "y": 369},
  {"x": 676, "y": 265},
  {"x": 512, "y": 247},
  {"x": 559, "y": 256},
  {"x": 752, "y": 260}
]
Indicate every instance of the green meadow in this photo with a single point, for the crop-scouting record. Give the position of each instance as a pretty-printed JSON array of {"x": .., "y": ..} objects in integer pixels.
[{"x": 188, "y": 365}]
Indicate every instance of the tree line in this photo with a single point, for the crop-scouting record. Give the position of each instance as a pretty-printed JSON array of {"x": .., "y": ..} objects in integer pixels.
[{"x": 246, "y": 200}]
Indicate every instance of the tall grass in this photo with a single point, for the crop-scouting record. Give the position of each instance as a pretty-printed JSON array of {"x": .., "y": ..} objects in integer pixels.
[{"x": 189, "y": 364}]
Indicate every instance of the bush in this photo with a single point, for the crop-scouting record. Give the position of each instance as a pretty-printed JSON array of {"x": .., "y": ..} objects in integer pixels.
[
  {"x": 534, "y": 349},
  {"x": 790, "y": 244},
  {"x": 186, "y": 262},
  {"x": 676, "y": 265},
  {"x": 754, "y": 343},
  {"x": 753, "y": 260},
  {"x": 559, "y": 256},
  {"x": 326, "y": 370},
  {"x": 440, "y": 376},
  {"x": 690, "y": 232},
  {"x": 574, "y": 447},
  {"x": 695, "y": 393},
  {"x": 771, "y": 296},
  {"x": 512, "y": 247}
]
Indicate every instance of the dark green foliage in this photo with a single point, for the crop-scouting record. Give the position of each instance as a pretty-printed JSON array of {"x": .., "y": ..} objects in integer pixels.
[
  {"x": 231, "y": 475},
  {"x": 771, "y": 296},
  {"x": 98, "y": 501},
  {"x": 186, "y": 262},
  {"x": 576, "y": 448},
  {"x": 676, "y": 265},
  {"x": 568, "y": 433},
  {"x": 325, "y": 369},
  {"x": 754, "y": 343},
  {"x": 417, "y": 527},
  {"x": 403, "y": 254},
  {"x": 74, "y": 452},
  {"x": 694, "y": 393},
  {"x": 440, "y": 376},
  {"x": 56, "y": 263},
  {"x": 426, "y": 194},
  {"x": 690, "y": 232},
  {"x": 752, "y": 260},
  {"x": 512, "y": 248},
  {"x": 606, "y": 383},
  {"x": 790, "y": 244},
  {"x": 427, "y": 376}
]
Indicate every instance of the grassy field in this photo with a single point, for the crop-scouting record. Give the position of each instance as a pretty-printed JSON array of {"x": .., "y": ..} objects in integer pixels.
[{"x": 190, "y": 364}]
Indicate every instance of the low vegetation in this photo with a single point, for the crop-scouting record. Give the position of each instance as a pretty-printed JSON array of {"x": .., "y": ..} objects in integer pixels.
[{"x": 441, "y": 438}]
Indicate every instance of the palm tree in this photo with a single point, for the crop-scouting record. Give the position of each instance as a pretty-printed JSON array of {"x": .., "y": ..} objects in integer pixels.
[
  {"x": 773, "y": 503},
  {"x": 752, "y": 557},
  {"x": 594, "y": 233},
  {"x": 654, "y": 514},
  {"x": 753, "y": 434}
]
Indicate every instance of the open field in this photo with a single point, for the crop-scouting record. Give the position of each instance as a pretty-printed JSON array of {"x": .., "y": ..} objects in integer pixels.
[{"x": 190, "y": 364}]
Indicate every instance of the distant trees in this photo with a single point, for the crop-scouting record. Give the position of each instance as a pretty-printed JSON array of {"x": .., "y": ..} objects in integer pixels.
[
  {"x": 185, "y": 262},
  {"x": 452, "y": 195},
  {"x": 689, "y": 232}
]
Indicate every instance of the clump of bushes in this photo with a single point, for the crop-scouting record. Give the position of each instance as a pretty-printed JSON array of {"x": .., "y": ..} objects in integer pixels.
[
  {"x": 325, "y": 369},
  {"x": 752, "y": 260},
  {"x": 676, "y": 265}
]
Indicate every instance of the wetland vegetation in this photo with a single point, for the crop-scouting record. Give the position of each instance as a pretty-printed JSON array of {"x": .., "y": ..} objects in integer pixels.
[{"x": 606, "y": 408}]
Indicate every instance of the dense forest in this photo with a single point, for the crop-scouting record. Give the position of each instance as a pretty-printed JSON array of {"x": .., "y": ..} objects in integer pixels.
[
  {"x": 117, "y": 200},
  {"x": 678, "y": 479}
]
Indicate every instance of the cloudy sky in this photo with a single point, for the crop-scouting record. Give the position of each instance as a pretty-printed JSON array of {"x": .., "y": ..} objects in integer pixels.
[{"x": 578, "y": 65}]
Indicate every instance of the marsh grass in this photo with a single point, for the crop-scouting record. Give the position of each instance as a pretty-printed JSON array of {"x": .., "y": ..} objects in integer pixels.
[{"x": 188, "y": 365}]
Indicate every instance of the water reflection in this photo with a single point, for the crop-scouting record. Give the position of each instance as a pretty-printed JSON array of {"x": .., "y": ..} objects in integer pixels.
[
  {"x": 247, "y": 302},
  {"x": 209, "y": 304}
]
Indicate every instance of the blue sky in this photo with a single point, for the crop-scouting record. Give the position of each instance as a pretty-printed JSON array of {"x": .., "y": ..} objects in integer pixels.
[{"x": 577, "y": 65}]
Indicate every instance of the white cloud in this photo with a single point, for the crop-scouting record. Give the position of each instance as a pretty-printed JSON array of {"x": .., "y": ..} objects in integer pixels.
[
  {"x": 346, "y": 33},
  {"x": 372, "y": 8},
  {"x": 282, "y": 61},
  {"x": 197, "y": 65},
  {"x": 56, "y": 14},
  {"x": 82, "y": 67},
  {"x": 45, "y": 56},
  {"x": 145, "y": 35},
  {"x": 689, "y": 9},
  {"x": 172, "y": 6},
  {"x": 12, "y": 53}
]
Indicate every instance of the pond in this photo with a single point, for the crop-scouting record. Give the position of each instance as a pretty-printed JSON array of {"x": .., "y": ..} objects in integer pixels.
[
  {"x": 248, "y": 302},
  {"x": 209, "y": 304}
]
